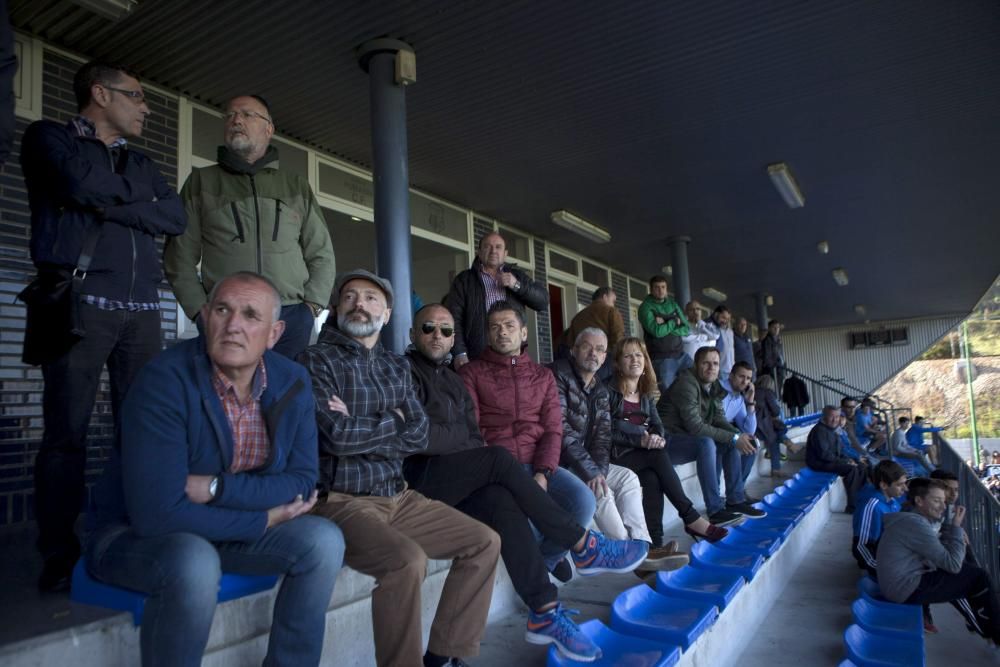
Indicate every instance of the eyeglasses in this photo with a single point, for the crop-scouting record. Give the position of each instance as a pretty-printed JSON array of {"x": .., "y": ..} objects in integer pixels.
[
  {"x": 230, "y": 116},
  {"x": 637, "y": 418},
  {"x": 429, "y": 328},
  {"x": 137, "y": 95}
]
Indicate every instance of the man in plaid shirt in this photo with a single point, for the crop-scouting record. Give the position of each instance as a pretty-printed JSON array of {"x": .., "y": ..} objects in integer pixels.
[{"x": 369, "y": 420}]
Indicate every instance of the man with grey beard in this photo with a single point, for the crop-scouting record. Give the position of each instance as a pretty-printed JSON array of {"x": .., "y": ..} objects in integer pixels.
[{"x": 369, "y": 419}]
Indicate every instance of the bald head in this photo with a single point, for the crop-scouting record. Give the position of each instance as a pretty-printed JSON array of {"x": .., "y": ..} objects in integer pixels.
[{"x": 433, "y": 332}]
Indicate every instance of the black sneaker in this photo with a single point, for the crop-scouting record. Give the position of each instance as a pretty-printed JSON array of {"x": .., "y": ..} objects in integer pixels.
[
  {"x": 563, "y": 571},
  {"x": 747, "y": 510},
  {"x": 725, "y": 517}
]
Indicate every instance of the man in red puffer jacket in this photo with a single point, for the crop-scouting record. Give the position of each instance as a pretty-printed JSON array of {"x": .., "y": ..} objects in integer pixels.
[{"x": 517, "y": 408}]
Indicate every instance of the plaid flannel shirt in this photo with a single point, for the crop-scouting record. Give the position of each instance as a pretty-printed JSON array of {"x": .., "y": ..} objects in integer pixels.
[{"x": 362, "y": 454}]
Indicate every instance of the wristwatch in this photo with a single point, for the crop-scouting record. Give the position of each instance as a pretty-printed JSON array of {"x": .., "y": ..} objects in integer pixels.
[
  {"x": 516, "y": 286},
  {"x": 213, "y": 487}
]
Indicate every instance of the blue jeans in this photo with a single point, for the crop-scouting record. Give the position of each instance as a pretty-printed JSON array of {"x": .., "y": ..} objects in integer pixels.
[
  {"x": 180, "y": 572},
  {"x": 299, "y": 323},
  {"x": 571, "y": 494},
  {"x": 667, "y": 370},
  {"x": 710, "y": 457}
]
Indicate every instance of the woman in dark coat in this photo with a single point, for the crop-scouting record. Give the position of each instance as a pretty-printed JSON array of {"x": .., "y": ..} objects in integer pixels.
[{"x": 639, "y": 443}]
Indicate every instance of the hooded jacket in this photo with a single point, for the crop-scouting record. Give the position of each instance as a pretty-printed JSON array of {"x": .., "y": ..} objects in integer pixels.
[
  {"x": 250, "y": 217},
  {"x": 517, "y": 407},
  {"x": 910, "y": 547},
  {"x": 586, "y": 422},
  {"x": 449, "y": 408},
  {"x": 689, "y": 408},
  {"x": 467, "y": 302}
]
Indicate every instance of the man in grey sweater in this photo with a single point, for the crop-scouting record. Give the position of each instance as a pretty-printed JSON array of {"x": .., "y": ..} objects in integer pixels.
[{"x": 918, "y": 565}]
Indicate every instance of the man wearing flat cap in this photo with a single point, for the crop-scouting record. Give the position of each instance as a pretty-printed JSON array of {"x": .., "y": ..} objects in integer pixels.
[{"x": 369, "y": 420}]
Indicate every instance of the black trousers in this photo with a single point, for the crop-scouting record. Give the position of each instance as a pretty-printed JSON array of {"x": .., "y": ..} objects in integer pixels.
[
  {"x": 853, "y": 476},
  {"x": 122, "y": 340},
  {"x": 488, "y": 484},
  {"x": 657, "y": 477},
  {"x": 968, "y": 591}
]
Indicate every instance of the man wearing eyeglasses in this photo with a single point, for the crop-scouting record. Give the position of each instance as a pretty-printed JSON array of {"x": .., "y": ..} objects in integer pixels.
[
  {"x": 97, "y": 206},
  {"x": 489, "y": 484},
  {"x": 246, "y": 214}
]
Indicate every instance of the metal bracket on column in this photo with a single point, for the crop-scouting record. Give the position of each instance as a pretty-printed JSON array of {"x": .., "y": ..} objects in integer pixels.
[{"x": 406, "y": 58}]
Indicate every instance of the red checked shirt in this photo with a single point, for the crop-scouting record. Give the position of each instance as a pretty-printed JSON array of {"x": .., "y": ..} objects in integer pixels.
[{"x": 251, "y": 446}]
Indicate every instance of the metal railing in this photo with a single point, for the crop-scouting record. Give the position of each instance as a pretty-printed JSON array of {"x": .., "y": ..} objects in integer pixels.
[{"x": 982, "y": 518}]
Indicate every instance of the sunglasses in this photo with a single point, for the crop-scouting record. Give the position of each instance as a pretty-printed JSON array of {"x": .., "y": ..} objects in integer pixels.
[
  {"x": 429, "y": 328},
  {"x": 637, "y": 418}
]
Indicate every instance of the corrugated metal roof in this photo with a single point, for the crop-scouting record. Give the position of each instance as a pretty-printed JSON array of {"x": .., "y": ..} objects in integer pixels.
[{"x": 650, "y": 118}]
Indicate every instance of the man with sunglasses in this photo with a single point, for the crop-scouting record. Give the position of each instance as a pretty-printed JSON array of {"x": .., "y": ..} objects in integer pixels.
[
  {"x": 246, "y": 214},
  {"x": 489, "y": 484},
  {"x": 97, "y": 206}
]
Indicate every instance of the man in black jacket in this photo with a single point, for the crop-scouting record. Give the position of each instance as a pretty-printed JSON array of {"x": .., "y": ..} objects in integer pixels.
[
  {"x": 86, "y": 187},
  {"x": 474, "y": 290},
  {"x": 489, "y": 484},
  {"x": 823, "y": 454}
]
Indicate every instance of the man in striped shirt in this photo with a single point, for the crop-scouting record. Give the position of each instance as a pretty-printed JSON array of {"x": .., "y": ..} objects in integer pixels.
[{"x": 369, "y": 420}]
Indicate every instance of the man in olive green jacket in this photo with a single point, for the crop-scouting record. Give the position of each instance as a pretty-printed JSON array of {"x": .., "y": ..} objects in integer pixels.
[
  {"x": 698, "y": 431},
  {"x": 244, "y": 214}
]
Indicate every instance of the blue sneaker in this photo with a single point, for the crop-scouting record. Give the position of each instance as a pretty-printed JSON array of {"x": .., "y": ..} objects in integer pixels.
[
  {"x": 556, "y": 627},
  {"x": 603, "y": 555}
]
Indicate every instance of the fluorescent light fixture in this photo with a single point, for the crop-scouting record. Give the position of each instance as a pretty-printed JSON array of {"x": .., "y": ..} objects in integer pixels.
[
  {"x": 667, "y": 270},
  {"x": 840, "y": 276},
  {"x": 823, "y": 247},
  {"x": 355, "y": 218},
  {"x": 110, "y": 9},
  {"x": 587, "y": 230},
  {"x": 714, "y": 294},
  {"x": 769, "y": 300},
  {"x": 786, "y": 185},
  {"x": 859, "y": 309}
]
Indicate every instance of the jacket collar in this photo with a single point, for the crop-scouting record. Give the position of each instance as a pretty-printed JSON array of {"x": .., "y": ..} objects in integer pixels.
[
  {"x": 331, "y": 334},
  {"x": 232, "y": 162},
  {"x": 497, "y": 359}
]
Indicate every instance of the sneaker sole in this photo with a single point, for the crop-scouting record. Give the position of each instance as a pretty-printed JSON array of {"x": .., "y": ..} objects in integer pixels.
[
  {"x": 666, "y": 563},
  {"x": 541, "y": 640},
  {"x": 587, "y": 571}
]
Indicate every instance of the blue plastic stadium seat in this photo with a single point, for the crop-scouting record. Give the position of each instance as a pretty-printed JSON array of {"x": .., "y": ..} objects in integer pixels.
[
  {"x": 846, "y": 663},
  {"x": 619, "y": 649},
  {"x": 87, "y": 590},
  {"x": 767, "y": 527},
  {"x": 786, "y": 508},
  {"x": 912, "y": 468},
  {"x": 716, "y": 585},
  {"x": 662, "y": 617},
  {"x": 867, "y": 649},
  {"x": 902, "y": 620},
  {"x": 707, "y": 555},
  {"x": 765, "y": 545},
  {"x": 798, "y": 493},
  {"x": 816, "y": 476},
  {"x": 868, "y": 588}
]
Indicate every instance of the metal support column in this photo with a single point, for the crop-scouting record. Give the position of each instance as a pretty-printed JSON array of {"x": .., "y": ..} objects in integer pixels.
[
  {"x": 679, "y": 262},
  {"x": 390, "y": 175},
  {"x": 761, "y": 311}
]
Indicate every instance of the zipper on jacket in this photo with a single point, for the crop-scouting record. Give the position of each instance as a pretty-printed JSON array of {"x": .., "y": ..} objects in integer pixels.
[
  {"x": 256, "y": 212},
  {"x": 277, "y": 219},
  {"x": 131, "y": 286},
  {"x": 239, "y": 223},
  {"x": 517, "y": 402}
]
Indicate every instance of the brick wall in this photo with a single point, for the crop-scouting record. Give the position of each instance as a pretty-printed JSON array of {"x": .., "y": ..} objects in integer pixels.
[{"x": 21, "y": 385}]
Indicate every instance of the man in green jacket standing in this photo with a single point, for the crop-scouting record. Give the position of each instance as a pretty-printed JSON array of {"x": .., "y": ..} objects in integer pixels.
[
  {"x": 693, "y": 416},
  {"x": 663, "y": 327},
  {"x": 244, "y": 214}
]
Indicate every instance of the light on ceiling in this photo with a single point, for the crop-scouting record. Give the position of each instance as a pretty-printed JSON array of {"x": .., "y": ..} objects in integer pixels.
[
  {"x": 578, "y": 225},
  {"x": 823, "y": 247},
  {"x": 840, "y": 276},
  {"x": 859, "y": 309},
  {"x": 769, "y": 300},
  {"x": 355, "y": 218},
  {"x": 785, "y": 184},
  {"x": 110, "y": 9},
  {"x": 667, "y": 270},
  {"x": 714, "y": 294}
]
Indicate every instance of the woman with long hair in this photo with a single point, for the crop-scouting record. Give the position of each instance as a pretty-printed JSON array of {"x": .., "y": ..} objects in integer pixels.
[{"x": 640, "y": 443}]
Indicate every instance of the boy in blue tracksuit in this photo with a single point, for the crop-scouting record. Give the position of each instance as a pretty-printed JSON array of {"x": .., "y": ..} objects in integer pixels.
[{"x": 877, "y": 498}]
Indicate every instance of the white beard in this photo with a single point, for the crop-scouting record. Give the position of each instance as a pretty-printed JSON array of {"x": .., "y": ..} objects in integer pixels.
[{"x": 360, "y": 329}]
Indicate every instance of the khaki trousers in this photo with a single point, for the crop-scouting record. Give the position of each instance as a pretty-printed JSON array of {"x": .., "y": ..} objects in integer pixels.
[
  {"x": 619, "y": 513},
  {"x": 391, "y": 538}
]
